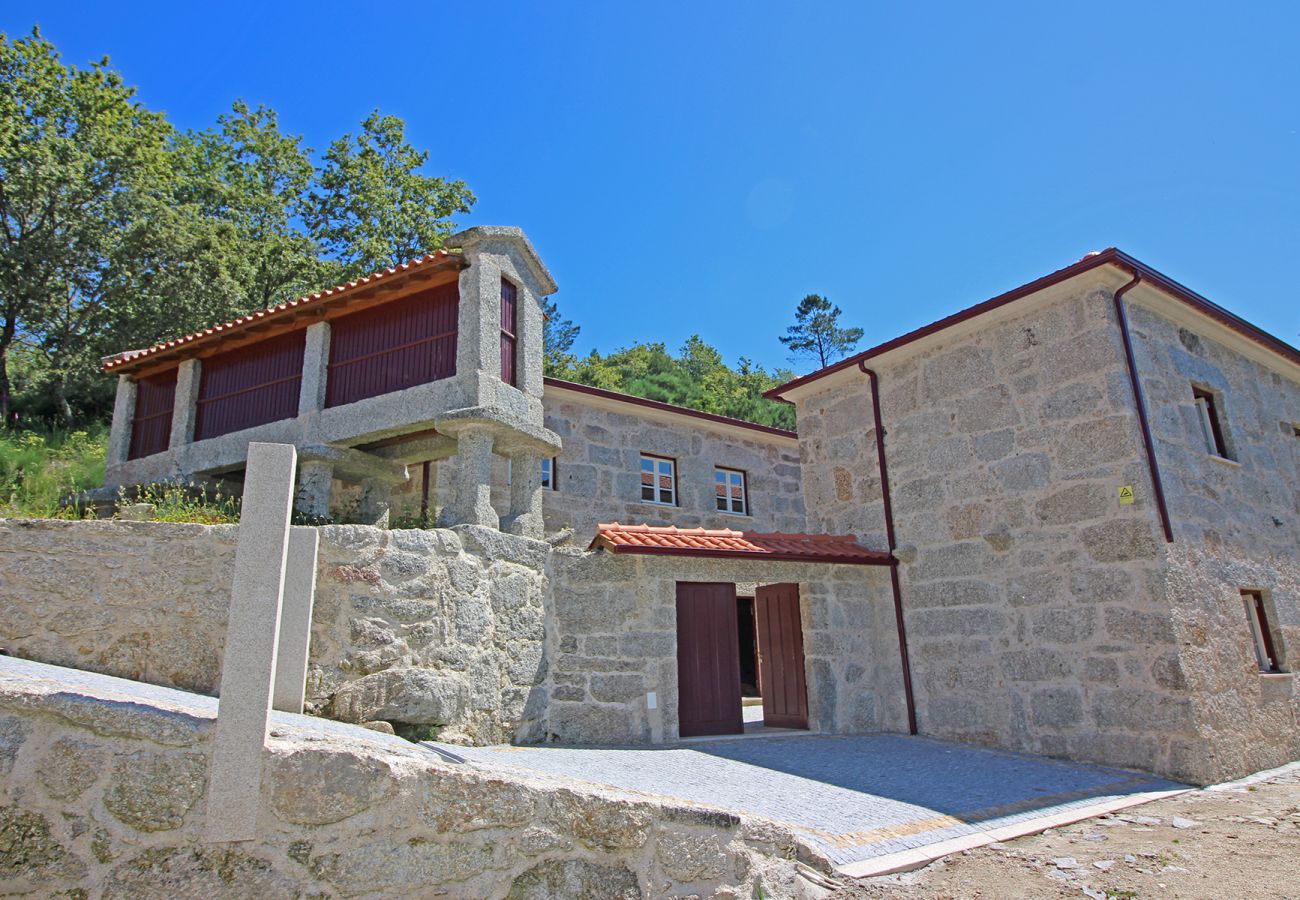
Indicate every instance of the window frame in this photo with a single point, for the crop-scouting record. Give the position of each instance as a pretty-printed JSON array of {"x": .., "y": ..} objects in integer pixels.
[
  {"x": 726, "y": 497},
  {"x": 509, "y": 335},
  {"x": 549, "y": 479},
  {"x": 655, "y": 487},
  {"x": 1261, "y": 632},
  {"x": 1213, "y": 432}
]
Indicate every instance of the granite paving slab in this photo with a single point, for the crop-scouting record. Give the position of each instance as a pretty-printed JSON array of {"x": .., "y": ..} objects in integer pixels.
[{"x": 853, "y": 797}]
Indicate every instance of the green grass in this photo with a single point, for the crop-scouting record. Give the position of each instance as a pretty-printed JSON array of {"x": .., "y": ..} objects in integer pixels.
[{"x": 38, "y": 470}]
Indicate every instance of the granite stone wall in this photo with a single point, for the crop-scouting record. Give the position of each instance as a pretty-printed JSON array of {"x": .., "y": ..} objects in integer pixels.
[
  {"x": 599, "y": 470},
  {"x": 104, "y": 793},
  {"x": 1035, "y": 603},
  {"x": 613, "y": 640},
  {"x": 1237, "y": 525},
  {"x": 438, "y": 629}
]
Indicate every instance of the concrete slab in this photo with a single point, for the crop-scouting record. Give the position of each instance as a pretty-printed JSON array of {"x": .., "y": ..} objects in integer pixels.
[{"x": 871, "y": 804}]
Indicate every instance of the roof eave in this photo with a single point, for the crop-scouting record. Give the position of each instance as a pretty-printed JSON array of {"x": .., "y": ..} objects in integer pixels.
[{"x": 1109, "y": 256}]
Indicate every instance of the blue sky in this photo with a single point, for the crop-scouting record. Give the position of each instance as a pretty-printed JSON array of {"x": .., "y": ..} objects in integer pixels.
[{"x": 699, "y": 167}]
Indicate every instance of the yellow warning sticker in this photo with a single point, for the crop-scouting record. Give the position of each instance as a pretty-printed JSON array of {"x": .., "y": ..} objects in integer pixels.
[{"x": 1126, "y": 494}]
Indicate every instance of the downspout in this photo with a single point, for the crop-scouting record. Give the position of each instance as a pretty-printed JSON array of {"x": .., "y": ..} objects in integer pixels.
[
  {"x": 893, "y": 545},
  {"x": 1156, "y": 484}
]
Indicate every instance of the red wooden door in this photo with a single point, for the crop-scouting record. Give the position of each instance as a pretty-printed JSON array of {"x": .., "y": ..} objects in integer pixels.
[
  {"x": 708, "y": 660},
  {"x": 780, "y": 656}
]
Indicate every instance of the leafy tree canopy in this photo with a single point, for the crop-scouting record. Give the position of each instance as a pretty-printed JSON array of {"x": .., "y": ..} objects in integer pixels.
[{"x": 116, "y": 230}]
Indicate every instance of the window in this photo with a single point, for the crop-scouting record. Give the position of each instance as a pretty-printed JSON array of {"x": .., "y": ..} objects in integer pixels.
[
  {"x": 1257, "y": 616},
  {"x": 729, "y": 487},
  {"x": 548, "y": 474},
  {"x": 1211, "y": 425},
  {"x": 509, "y": 331},
  {"x": 658, "y": 480}
]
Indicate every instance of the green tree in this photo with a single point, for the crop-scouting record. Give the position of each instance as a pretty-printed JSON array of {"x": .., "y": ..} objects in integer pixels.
[
  {"x": 372, "y": 206},
  {"x": 558, "y": 337},
  {"x": 76, "y": 155},
  {"x": 247, "y": 173},
  {"x": 816, "y": 332}
]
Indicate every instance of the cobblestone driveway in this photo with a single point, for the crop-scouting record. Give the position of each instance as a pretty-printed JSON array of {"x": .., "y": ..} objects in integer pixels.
[{"x": 852, "y": 797}]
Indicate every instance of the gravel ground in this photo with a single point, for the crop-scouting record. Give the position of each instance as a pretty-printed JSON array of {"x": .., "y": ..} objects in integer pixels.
[{"x": 1220, "y": 843}]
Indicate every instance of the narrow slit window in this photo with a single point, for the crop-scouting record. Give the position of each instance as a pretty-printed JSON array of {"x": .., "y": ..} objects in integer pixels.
[
  {"x": 658, "y": 480},
  {"x": 1211, "y": 424},
  {"x": 548, "y": 473},
  {"x": 509, "y": 332},
  {"x": 1261, "y": 632},
  {"x": 730, "y": 491}
]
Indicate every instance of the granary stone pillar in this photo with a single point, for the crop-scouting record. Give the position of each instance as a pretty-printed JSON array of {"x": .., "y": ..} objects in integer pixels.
[
  {"x": 472, "y": 501},
  {"x": 315, "y": 368},
  {"x": 119, "y": 437},
  {"x": 525, "y": 516},
  {"x": 312, "y": 498},
  {"x": 376, "y": 500},
  {"x": 185, "y": 409}
]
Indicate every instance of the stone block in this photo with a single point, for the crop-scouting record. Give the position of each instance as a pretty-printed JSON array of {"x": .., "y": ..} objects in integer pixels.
[
  {"x": 153, "y": 791},
  {"x": 409, "y": 695},
  {"x": 575, "y": 878},
  {"x": 987, "y": 409},
  {"x": 1026, "y": 472},
  {"x": 607, "y": 687},
  {"x": 1130, "y": 626},
  {"x": 1076, "y": 503},
  {"x": 69, "y": 767},
  {"x": 1057, "y": 707},
  {"x": 1097, "y": 441},
  {"x": 1065, "y": 625},
  {"x": 312, "y": 787},
  {"x": 1118, "y": 541},
  {"x": 955, "y": 372}
]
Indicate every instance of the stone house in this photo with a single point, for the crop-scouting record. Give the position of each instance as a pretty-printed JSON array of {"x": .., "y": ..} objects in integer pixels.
[
  {"x": 1092, "y": 483},
  {"x": 1062, "y": 521}
]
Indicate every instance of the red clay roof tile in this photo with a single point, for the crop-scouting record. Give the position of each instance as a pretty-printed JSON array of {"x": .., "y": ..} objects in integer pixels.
[
  {"x": 114, "y": 363},
  {"x": 672, "y": 541}
]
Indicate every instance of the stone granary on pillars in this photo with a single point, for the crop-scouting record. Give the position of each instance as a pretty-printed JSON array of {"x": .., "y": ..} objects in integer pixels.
[{"x": 438, "y": 357}]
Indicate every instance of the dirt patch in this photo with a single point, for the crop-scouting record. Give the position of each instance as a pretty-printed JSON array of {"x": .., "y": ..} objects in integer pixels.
[{"x": 1242, "y": 842}]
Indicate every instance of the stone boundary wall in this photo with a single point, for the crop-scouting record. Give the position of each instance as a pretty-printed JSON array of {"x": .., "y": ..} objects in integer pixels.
[
  {"x": 424, "y": 629},
  {"x": 103, "y": 793},
  {"x": 614, "y": 638}
]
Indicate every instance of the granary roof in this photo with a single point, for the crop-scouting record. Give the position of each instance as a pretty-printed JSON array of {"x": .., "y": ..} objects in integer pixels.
[
  {"x": 724, "y": 542},
  {"x": 285, "y": 313}
]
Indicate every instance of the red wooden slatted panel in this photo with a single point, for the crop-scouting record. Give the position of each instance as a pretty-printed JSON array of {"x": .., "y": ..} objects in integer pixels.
[
  {"x": 250, "y": 386},
  {"x": 151, "y": 427},
  {"x": 780, "y": 651},
  {"x": 395, "y": 346},
  {"x": 708, "y": 660},
  {"x": 509, "y": 331}
]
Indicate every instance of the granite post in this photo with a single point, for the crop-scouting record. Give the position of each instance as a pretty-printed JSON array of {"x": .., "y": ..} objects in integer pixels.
[
  {"x": 252, "y": 635},
  {"x": 295, "y": 619}
]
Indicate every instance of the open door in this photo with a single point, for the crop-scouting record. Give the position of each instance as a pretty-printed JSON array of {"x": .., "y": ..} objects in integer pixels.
[
  {"x": 780, "y": 656},
  {"x": 708, "y": 660}
]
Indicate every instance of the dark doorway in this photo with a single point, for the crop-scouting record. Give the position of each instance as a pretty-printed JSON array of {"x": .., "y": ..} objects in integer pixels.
[
  {"x": 708, "y": 659},
  {"x": 780, "y": 653},
  {"x": 747, "y": 638}
]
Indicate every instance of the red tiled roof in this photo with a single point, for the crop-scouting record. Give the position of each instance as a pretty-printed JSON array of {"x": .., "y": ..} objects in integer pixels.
[
  {"x": 672, "y": 541},
  {"x": 287, "y": 310}
]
